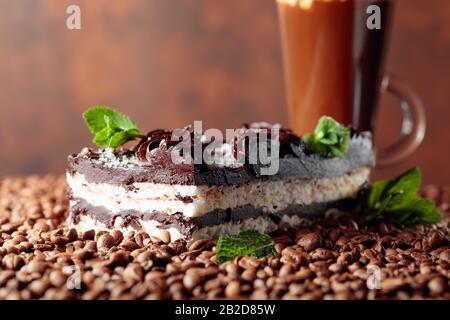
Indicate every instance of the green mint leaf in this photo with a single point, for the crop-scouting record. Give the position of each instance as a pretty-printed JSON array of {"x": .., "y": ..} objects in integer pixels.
[
  {"x": 96, "y": 118},
  {"x": 330, "y": 138},
  {"x": 403, "y": 188},
  {"x": 110, "y": 127},
  {"x": 103, "y": 137},
  {"x": 375, "y": 194},
  {"x": 309, "y": 139},
  {"x": 396, "y": 201},
  {"x": 123, "y": 122},
  {"x": 245, "y": 243},
  {"x": 123, "y": 137},
  {"x": 418, "y": 211}
]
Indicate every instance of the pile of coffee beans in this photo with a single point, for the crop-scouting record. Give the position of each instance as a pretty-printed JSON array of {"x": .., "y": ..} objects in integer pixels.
[{"x": 336, "y": 258}]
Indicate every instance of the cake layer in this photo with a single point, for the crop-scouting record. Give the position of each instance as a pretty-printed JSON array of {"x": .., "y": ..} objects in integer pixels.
[
  {"x": 123, "y": 167},
  {"x": 85, "y": 217},
  {"x": 197, "y": 201}
]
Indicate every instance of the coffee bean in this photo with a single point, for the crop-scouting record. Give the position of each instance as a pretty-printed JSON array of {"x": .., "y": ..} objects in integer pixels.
[
  {"x": 88, "y": 235},
  {"x": 5, "y": 275},
  {"x": 191, "y": 279},
  {"x": 38, "y": 287},
  {"x": 59, "y": 240},
  {"x": 445, "y": 255},
  {"x": 346, "y": 258},
  {"x": 13, "y": 261},
  {"x": 41, "y": 225},
  {"x": 321, "y": 254},
  {"x": 119, "y": 258},
  {"x": 90, "y": 246},
  {"x": 139, "y": 239},
  {"x": 133, "y": 273},
  {"x": 232, "y": 290},
  {"x": 286, "y": 270},
  {"x": 303, "y": 274},
  {"x": 437, "y": 285},
  {"x": 198, "y": 245},
  {"x": 336, "y": 267},
  {"x": 353, "y": 267},
  {"x": 105, "y": 241},
  {"x": 82, "y": 254},
  {"x": 249, "y": 274},
  {"x": 293, "y": 256},
  {"x": 279, "y": 247},
  {"x": 129, "y": 245},
  {"x": 194, "y": 276},
  {"x": 310, "y": 241},
  {"x": 117, "y": 236},
  {"x": 435, "y": 240},
  {"x": 274, "y": 263},
  {"x": 36, "y": 266},
  {"x": 391, "y": 284},
  {"x": 57, "y": 278},
  {"x": 72, "y": 235},
  {"x": 165, "y": 236},
  {"x": 249, "y": 262}
]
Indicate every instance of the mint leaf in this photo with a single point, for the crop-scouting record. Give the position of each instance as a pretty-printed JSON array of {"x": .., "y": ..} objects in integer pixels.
[
  {"x": 396, "y": 201},
  {"x": 245, "y": 243},
  {"x": 110, "y": 127},
  {"x": 95, "y": 118},
  {"x": 403, "y": 188},
  {"x": 123, "y": 122},
  {"x": 418, "y": 211},
  {"x": 330, "y": 138},
  {"x": 123, "y": 137},
  {"x": 103, "y": 137},
  {"x": 376, "y": 192}
]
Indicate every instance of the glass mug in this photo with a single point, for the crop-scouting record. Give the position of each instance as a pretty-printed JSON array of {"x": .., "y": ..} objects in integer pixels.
[{"x": 334, "y": 65}]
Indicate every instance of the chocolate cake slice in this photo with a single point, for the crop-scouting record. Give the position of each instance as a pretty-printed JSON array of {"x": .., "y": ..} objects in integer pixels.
[{"x": 143, "y": 189}]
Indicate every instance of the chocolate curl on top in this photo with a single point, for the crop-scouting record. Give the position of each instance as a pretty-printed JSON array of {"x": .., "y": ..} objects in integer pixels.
[{"x": 154, "y": 140}]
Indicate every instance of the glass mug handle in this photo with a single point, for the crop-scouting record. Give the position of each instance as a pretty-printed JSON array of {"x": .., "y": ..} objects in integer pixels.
[{"x": 413, "y": 123}]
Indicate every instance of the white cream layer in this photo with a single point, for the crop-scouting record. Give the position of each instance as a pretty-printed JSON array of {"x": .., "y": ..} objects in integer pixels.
[{"x": 270, "y": 196}]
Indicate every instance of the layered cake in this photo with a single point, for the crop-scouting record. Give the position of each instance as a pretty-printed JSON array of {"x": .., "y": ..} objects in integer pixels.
[{"x": 143, "y": 189}]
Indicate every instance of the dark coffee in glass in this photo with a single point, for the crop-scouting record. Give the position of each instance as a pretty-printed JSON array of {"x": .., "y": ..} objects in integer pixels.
[{"x": 334, "y": 54}]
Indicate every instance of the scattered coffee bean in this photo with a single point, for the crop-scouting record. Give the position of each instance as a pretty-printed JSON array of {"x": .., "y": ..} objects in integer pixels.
[
  {"x": 105, "y": 241},
  {"x": 335, "y": 267},
  {"x": 437, "y": 285},
  {"x": 129, "y": 245},
  {"x": 57, "y": 278},
  {"x": 232, "y": 290},
  {"x": 165, "y": 236},
  {"x": 13, "y": 261},
  {"x": 391, "y": 284},
  {"x": 41, "y": 257},
  {"x": 38, "y": 287},
  {"x": 310, "y": 241},
  {"x": 88, "y": 235}
]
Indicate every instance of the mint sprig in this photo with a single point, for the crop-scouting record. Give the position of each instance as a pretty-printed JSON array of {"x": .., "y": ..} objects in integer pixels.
[
  {"x": 330, "y": 138},
  {"x": 245, "y": 243},
  {"x": 396, "y": 201},
  {"x": 110, "y": 127}
]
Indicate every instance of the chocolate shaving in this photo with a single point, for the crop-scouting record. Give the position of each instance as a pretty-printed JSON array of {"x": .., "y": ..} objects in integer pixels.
[{"x": 156, "y": 139}]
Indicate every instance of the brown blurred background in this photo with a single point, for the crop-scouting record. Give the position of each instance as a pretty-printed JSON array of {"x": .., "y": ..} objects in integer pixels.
[{"x": 167, "y": 63}]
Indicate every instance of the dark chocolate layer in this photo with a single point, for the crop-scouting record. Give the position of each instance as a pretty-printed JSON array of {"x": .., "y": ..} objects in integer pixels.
[
  {"x": 298, "y": 164},
  {"x": 187, "y": 225}
]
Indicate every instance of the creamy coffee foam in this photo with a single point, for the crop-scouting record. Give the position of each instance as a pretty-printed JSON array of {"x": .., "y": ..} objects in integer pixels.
[{"x": 305, "y": 4}]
